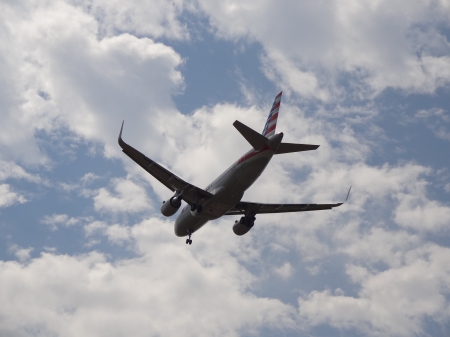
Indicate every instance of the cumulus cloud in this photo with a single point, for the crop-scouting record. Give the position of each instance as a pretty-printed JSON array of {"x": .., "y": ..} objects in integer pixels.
[
  {"x": 22, "y": 254},
  {"x": 284, "y": 271},
  {"x": 84, "y": 66},
  {"x": 311, "y": 46},
  {"x": 8, "y": 197},
  {"x": 395, "y": 301},
  {"x": 57, "y": 73},
  {"x": 88, "y": 295},
  {"x": 128, "y": 197},
  {"x": 116, "y": 233},
  {"x": 149, "y": 18},
  {"x": 422, "y": 214}
]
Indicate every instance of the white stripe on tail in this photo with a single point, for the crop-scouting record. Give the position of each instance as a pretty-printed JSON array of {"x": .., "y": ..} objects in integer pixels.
[{"x": 271, "y": 124}]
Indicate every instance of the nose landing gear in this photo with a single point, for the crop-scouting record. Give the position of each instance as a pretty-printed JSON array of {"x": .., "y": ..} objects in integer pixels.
[{"x": 188, "y": 240}]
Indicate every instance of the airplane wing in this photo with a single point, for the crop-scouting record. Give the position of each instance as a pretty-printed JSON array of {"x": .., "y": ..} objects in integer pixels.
[
  {"x": 190, "y": 193},
  {"x": 245, "y": 207}
]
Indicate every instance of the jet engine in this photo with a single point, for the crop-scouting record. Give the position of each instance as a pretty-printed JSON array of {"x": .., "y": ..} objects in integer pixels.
[
  {"x": 171, "y": 206},
  {"x": 243, "y": 225}
]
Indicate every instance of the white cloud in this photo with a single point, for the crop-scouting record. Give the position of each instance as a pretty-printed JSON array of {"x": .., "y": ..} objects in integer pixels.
[
  {"x": 422, "y": 214},
  {"x": 447, "y": 188},
  {"x": 88, "y": 178},
  {"x": 150, "y": 18},
  {"x": 94, "y": 227},
  {"x": 284, "y": 271},
  {"x": 50, "y": 249},
  {"x": 23, "y": 254},
  {"x": 59, "y": 219},
  {"x": 115, "y": 233},
  {"x": 310, "y": 46},
  {"x": 86, "y": 295},
  {"x": 376, "y": 245},
  {"x": 58, "y": 74},
  {"x": 118, "y": 234},
  {"x": 437, "y": 120},
  {"x": 394, "y": 302},
  {"x": 8, "y": 197},
  {"x": 70, "y": 67},
  {"x": 9, "y": 169},
  {"x": 128, "y": 197}
]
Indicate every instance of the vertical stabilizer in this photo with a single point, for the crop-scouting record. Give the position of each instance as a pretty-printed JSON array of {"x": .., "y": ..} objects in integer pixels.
[{"x": 271, "y": 124}]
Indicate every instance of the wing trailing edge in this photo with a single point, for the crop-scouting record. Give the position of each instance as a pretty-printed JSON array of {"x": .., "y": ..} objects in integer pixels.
[
  {"x": 244, "y": 207},
  {"x": 290, "y": 147}
]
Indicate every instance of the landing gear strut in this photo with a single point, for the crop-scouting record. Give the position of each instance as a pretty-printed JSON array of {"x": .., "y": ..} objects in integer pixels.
[
  {"x": 196, "y": 207},
  {"x": 188, "y": 240}
]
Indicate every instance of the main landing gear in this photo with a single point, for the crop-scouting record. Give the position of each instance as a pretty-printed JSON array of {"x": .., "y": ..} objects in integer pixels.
[
  {"x": 189, "y": 241},
  {"x": 196, "y": 207}
]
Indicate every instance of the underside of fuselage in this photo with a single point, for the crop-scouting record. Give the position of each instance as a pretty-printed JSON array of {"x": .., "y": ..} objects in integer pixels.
[{"x": 228, "y": 190}]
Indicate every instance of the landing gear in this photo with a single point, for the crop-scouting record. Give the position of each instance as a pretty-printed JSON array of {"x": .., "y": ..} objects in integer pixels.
[
  {"x": 188, "y": 240},
  {"x": 196, "y": 207}
]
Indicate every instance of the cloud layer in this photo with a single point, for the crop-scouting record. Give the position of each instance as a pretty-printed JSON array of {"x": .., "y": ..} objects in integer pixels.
[{"x": 72, "y": 71}]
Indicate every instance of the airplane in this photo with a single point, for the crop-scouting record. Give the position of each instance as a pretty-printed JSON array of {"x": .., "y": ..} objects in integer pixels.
[{"x": 223, "y": 196}]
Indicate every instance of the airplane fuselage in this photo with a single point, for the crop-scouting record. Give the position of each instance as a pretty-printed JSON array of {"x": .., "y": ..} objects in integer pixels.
[{"x": 228, "y": 189}]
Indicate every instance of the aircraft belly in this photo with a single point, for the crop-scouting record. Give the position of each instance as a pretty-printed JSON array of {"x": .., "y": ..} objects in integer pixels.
[
  {"x": 228, "y": 191},
  {"x": 252, "y": 170},
  {"x": 222, "y": 202},
  {"x": 186, "y": 223}
]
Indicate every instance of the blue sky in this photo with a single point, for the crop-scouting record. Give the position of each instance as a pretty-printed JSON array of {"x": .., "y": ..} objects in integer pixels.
[{"x": 85, "y": 250}]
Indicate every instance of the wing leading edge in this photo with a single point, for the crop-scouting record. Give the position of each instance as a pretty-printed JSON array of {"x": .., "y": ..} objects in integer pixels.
[
  {"x": 190, "y": 193},
  {"x": 244, "y": 207}
]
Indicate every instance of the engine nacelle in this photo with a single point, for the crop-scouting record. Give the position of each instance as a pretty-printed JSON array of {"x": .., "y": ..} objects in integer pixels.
[
  {"x": 171, "y": 206},
  {"x": 242, "y": 226}
]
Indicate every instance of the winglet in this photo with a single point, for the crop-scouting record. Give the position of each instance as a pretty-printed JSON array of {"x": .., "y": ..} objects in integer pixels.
[
  {"x": 348, "y": 193},
  {"x": 121, "y": 142},
  {"x": 346, "y": 198}
]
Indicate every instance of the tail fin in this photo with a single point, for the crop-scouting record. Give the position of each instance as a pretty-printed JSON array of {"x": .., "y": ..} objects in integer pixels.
[{"x": 271, "y": 124}]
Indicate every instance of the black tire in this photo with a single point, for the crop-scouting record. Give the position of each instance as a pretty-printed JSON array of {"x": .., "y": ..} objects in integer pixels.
[
  {"x": 187, "y": 241},
  {"x": 199, "y": 208},
  {"x": 193, "y": 207},
  {"x": 190, "y": 242}
]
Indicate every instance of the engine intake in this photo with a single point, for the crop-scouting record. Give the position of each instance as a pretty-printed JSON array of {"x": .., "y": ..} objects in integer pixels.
[
  {"x": 171, "y": 206},
  {"x": 242, "y": 226}
]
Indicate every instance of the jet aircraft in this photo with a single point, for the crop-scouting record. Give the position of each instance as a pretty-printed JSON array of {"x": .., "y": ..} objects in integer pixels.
[{"x": 223, "y": 196}]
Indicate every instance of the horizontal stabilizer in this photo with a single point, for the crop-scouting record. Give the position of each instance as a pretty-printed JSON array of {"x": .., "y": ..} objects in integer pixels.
[
  {"x": 256, "y": 140},
  {"x": 289, "y": 147}
]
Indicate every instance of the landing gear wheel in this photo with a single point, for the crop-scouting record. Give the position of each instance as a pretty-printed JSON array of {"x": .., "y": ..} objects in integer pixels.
[
  {"x": 199, "y": 208},
  {"x": 193, "y": 207},
  {"x": 188, "y": 240}
]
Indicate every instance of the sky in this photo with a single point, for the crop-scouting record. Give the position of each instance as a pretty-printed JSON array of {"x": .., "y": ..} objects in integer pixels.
[{"x": 84, "y": 248}]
